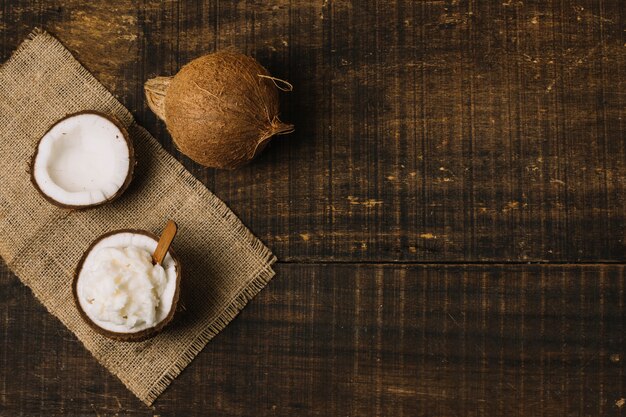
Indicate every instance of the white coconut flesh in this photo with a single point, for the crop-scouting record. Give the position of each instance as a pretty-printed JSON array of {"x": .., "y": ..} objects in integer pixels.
[
  {"x": 115, "y": 304},
  {"x": 81, "y": 161}
]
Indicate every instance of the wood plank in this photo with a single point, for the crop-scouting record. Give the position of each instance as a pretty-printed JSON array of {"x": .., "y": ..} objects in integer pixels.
[
  {"x": 392, "y": 340},
  {"x": 426, "y": 131}
]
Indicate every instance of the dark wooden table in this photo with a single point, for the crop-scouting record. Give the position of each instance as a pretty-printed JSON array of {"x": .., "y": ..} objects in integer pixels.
[{"x": 449, "y": 215}]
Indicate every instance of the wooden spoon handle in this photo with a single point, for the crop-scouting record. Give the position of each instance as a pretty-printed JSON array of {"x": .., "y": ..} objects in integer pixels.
[{"x": 164, "y": 242}]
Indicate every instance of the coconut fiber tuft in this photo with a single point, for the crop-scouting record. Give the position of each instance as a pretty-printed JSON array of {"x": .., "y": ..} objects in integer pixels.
[{"x": 221, "y": 109}]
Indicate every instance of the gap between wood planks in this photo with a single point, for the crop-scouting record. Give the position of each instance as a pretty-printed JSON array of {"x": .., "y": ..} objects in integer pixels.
[{"x": 458, "y": 263}]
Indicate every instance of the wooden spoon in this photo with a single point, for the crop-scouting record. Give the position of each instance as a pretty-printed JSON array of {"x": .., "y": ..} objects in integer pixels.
[{"x": 164, "y": 242}]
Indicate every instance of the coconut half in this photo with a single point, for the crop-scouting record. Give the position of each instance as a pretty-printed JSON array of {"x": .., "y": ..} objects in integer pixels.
[
  {"x": 84, "y": 160},
  {"x": 168, "y": 300}
]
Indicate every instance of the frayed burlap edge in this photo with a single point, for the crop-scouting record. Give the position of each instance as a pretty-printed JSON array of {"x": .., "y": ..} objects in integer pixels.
[
  {"x": 237, "y": 304},
  {"x": 248, "y": 240}
]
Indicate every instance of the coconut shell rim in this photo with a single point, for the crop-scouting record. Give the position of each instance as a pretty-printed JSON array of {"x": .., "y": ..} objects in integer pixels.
[
  {"x": 118, "y": 193},
  {"x": 141, "y": 335}
]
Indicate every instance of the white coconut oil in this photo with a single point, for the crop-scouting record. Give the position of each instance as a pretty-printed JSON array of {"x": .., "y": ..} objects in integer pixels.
[{"x": 122, "y": 287}]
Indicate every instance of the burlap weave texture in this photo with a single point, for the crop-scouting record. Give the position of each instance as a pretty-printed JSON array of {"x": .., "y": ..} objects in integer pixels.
[{"x": 224, "y": 265}]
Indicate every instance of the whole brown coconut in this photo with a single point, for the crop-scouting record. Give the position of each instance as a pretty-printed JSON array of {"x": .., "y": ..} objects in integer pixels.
[{"x": 221, "y": 109}]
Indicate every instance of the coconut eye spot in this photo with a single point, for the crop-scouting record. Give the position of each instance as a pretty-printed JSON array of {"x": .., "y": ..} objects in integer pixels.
[{"x": 83, "y": 160}]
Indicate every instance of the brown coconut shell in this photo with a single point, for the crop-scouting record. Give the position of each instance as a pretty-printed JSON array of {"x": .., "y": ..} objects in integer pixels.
[
  {"x": 143, "y": 334},
  {"x": 221, "y": 109},
  {"x": 125, "y": 184}
]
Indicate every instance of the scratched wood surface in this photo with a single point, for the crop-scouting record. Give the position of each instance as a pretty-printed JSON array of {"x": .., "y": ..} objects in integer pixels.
[
  {"x": 440, "y": 146},
  {"x": 355, "y": 339}
]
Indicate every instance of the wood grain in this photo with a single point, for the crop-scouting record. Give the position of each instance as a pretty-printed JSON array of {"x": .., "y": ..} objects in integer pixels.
[
  {"x": 386, "y": 340},
  {"x": 422, "y": 127},
  {"x": 474, "y": 135}
]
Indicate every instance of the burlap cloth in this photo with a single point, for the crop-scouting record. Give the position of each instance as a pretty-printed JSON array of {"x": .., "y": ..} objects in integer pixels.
[{"x": 224, "y": 265}]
